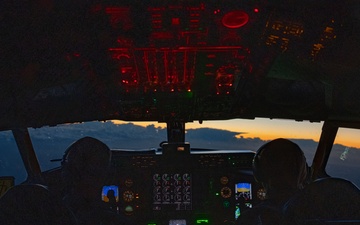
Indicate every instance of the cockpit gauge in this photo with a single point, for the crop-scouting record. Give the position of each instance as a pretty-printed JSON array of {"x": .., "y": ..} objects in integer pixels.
[
  {"x": 178, "y": 189},
  {"x": 156, "y": 177},
  {"x": 186, "y": 177},
  {"x": 166, "y": 177},
  {"x": 261, "y": 194},
  {"x": 177, "y": 177},
  {"x": 187, "y": 198},
  {"x": 166, "y": 198},
  {"x": 166, "y": 190},
  {"x": 128, "y": 196},
  {"x": 157, "y": 198},
  {"x": 186, "y": 190},
  {"x": 224, "y": 180},
  {"x": 129, "y": 210},
  {"x": 177, "y": 198},
  {"x": 157, "y": 190},
  {"x": 225, "y": 192}
]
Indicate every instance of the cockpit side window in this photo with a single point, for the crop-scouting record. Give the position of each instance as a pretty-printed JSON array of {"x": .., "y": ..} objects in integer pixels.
[
  {"x": 345, "y": 156},
  {"x": 11, "y": 163}
]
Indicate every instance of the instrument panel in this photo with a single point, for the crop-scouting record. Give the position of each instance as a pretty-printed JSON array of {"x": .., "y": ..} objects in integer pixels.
[{"x": 197, "y": 187}]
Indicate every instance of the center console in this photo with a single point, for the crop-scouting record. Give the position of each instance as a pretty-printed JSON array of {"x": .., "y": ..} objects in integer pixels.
[{"x": 181, "y": 186}]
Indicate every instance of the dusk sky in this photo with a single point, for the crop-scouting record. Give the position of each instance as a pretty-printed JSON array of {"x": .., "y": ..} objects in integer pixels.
[{"x": 267, "y": 129}]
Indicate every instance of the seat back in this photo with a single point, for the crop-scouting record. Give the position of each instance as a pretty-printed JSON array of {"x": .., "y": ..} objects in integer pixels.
[{"x": 325, "y": 201}]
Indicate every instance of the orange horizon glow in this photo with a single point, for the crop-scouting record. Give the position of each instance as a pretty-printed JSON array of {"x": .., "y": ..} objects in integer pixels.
[{"x": 267, "y": 129}]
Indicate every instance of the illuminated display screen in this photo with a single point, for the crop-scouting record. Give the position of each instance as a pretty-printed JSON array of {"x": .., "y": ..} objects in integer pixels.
[
  {"x": 110, "y": 193},
  {"x": 172, "y": 191},
  {"x": 177, "y": 222},
  {"x": 243, "y": 197}
]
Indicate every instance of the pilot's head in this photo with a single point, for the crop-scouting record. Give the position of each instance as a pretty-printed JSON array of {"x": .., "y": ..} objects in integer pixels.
[
  {"x": 280, "y": 164},
  {"x": 86, "y": 162}
]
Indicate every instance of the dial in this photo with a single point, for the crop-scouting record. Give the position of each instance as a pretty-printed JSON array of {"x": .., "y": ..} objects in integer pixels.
[
  {"x": 187, "y": 198},
  {"x": 186, "y": 190},
  {"x": 157, "y": 190},
  {"x": 128, "y": 196},
  {"x": 166, "y": 198},
  {"x": 178, "y": 198},
  {"x": 166, "y": 177},
  {"x": 226, "y": 192},
  {"x": 157, "y": 198},
  {"x": 186, "y": 176},
  {"x": 129, "y": 210},
  {"x": 177, "y": 177},
  {"x": 178, "y": 189},
  {"x": 166, "y": 190},
  {"x": 261, "y": 194},
  {"x": 224, "y": 180},
  {"x": 156, "y": 177}
]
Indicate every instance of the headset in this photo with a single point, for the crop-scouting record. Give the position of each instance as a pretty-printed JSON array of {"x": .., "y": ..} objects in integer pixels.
[
  {"x": 266, "y": 167},
  {"x": 83, "y": 159}
]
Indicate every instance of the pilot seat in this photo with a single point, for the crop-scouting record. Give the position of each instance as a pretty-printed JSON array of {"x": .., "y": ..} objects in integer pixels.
[
  {"x": 33, "y": 204},
  {"x": 328, "y": 200}
]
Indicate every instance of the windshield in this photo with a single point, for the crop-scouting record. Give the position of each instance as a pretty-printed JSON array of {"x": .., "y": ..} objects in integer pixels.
[{"x": 51, "y": 142}]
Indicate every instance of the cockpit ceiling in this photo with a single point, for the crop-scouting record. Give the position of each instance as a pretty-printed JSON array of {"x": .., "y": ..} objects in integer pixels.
[{"x": 64, "y": 61}]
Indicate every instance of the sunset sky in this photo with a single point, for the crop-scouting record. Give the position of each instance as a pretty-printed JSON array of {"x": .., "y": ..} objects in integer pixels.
[{"x": 267, "y": 129}]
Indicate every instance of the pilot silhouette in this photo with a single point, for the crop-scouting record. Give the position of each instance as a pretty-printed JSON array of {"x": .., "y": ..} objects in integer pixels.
[
  {"x": 280, "y": 166},
  {"x": 84, "y": 168}
]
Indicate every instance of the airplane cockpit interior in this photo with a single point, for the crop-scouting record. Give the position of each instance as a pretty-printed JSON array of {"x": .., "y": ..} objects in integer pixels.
[{"x": 177, "y": 62}]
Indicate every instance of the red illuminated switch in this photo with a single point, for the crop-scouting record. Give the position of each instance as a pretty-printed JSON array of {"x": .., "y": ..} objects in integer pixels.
[{"x": 175, "y": 21}]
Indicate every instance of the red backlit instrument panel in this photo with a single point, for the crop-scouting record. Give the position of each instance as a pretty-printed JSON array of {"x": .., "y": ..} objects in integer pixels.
[
  {"x": 178, "y": 48},
  {"x": 174, "y": 69},
  {"x": 174, "y": 47}
]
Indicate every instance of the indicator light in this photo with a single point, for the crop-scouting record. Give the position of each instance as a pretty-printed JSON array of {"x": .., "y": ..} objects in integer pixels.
[
  {"x": 202, "y": 221},
  {"x": 175, "y": 21},
  {"x": 217, "y": 11}
]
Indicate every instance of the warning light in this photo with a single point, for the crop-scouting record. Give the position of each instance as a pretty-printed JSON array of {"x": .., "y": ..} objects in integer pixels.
[
  {"x": 217, "y": 11},
  {"x": 256, "y": 10}
]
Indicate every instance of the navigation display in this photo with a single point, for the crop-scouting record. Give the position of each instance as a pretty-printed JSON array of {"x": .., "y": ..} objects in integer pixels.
[
  {"x": 172, "y": 191},
  {"x": 243, "y": 197},
  {"x": 110, "y": 193}
]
